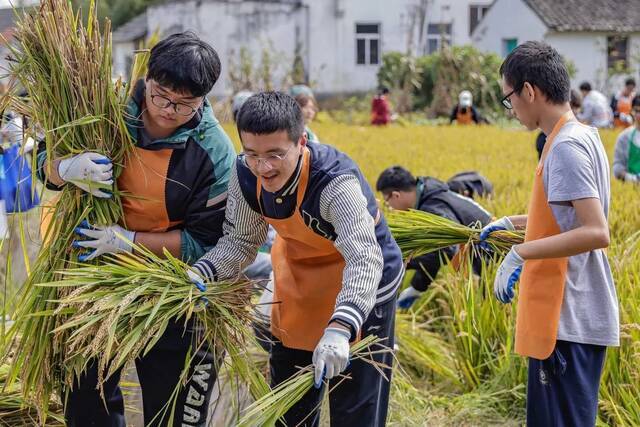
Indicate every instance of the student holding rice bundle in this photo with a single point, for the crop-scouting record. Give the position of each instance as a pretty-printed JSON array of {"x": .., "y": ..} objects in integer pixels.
[
  {"x": 174, "y": 195},
  {"x": 402, "y": 191},
  {"x": 567, "y": 308},
  {"x": 336, "y": 266}
]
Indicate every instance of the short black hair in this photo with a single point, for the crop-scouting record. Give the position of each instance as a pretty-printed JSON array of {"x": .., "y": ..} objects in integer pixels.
[
  {"x": 636, "y": 101},
  {"x": 540, "y": 65},
  {"x": 395, "y": 178},
  {"x": 383, "y": 90},
  {"x": 185, "y": 64},
  {"x": 630, "y": 82},
  {"x": 270, "y": 112},
  {"x": 585, "y": 86}
]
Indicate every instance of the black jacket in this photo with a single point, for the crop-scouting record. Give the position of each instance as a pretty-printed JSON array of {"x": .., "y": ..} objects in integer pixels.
[{"x": 435, "y": 197}]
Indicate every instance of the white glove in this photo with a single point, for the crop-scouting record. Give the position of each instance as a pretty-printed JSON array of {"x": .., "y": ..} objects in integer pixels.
[
  {"x": 630, "y": 177},
  {"x": 112, "y": 239},
  {"x": 507, "y": 276},
  {"x": 503, "y": 223},
  {"x": 89, "y": 171},
  {"x": 331, "y": 355},
  {"x": 196, "y": 279},
  {"x": 408, "y": 297},
  {"x": 626, "y": 118}
]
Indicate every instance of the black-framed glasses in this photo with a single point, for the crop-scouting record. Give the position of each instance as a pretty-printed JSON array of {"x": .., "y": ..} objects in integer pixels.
[
  {"x": 506, "y": 100},
  {"x": 179, "y": 107}
]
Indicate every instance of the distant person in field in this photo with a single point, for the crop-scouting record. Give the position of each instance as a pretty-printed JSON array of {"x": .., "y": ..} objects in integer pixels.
[
  {"x": 596, "y": 111},
  {"x": 464, "y": 113},
  {"x": 308, "y": 105},
  {"x": 626, "y": 158},
  {"x": 621, "y": 104},
  {"x": 567, "y": 312},
  {"x": 402, "y": 191},
  {"x": 380, "y": 108},
  {"x": 576, "y": 103}
]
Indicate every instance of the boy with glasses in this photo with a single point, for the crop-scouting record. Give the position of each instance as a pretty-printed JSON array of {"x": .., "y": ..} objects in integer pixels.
[
  {"x": 626, "y": 158},
  {"x": 336, "y": 266},
  {"x": 174, "y": 194},
  {"x": 567, "y": 307}
]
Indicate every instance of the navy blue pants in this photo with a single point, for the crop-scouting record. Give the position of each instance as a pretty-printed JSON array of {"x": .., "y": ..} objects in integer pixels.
[
  {"x": 158, "y": 372},
  {"x": 361, "y": 401},
  {"x": 563, "y": 389}
]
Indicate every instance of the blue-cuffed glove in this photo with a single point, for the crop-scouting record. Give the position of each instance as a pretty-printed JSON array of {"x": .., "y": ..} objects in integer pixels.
[
  {"x": 507, "y": 276},
  {"x": 331, "y": 355},
  {"x": 408, "y": 297},
  {"x": 503, "y": 223},
  {"x": 197, "y": 280},
  {"x": 111, "y": 239},
  {"x": 92, "y": 172}
]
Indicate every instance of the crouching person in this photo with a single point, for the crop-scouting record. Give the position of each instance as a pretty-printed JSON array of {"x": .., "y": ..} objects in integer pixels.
[{"x": 336, "y": 266}]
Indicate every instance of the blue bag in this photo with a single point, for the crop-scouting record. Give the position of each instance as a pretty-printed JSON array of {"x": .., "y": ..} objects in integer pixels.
[{"x": 16, "y": 184}]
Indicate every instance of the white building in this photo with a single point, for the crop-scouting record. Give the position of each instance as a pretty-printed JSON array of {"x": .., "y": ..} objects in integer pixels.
[
  {"x": 340, "y": 41},
  {"x": 594, "y": 35}
]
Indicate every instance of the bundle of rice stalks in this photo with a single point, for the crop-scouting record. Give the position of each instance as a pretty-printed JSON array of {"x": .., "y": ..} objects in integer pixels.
[
  {"x": 419, "y": 233},
  {"x": 16, "y": 411},
  {"x": 73, "y": 104},
  {"x": 117, "y": 311},
  {"x": 424, "y": 352},
  {"x": 267, "y": 410}
]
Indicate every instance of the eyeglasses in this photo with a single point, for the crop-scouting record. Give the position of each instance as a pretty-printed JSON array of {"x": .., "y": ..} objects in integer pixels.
[
  {"x": 272, "y": 161},
  {"x": 506, "y": 101},
  {"x": 179, "y": 107}
]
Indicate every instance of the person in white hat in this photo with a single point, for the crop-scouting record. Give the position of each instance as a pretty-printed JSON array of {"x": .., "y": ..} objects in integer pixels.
[{"x": 464, "y": 113}]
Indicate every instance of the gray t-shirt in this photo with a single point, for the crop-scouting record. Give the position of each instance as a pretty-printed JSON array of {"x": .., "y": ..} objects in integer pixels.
[{"x": 577, "y": 168}]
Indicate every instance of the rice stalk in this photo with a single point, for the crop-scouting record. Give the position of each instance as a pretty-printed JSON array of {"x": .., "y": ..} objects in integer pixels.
[
  {"x": 418, "y": 233},
  {"x": 267, "y": 410},
  {"x": 74, "y": 107},
  {"x": 119, "y": 309},
  {"x": 15, "y": 410}
]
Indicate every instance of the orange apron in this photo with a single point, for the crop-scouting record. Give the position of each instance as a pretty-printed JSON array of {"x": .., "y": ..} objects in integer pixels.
[
  {"x": 144, "y": 173},
  {"x": 307, "y": 276},
  {"x": 624, "y": 107},
  {"x": 542, "y": 281},
  {"x": 464, "y": 118},
  {"x": 143, "y": 182}
]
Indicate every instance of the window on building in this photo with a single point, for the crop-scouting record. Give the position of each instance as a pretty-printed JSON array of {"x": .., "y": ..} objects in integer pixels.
[
  {"x": 617, "y": 52},
  {"x": 508, "y": 45},
  {"x": 367, "y": 44},
  {"x": 476, "y": 12},
  {"x": 438, "y": 35}
]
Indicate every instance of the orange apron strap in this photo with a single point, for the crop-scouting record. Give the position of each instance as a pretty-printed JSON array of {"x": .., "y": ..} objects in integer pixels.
[{"x": 543, "y": 280}]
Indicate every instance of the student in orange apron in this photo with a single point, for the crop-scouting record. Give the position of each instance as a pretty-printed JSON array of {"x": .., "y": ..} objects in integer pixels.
[
  {"x": 621, "y": 104},
  {"x": 626, "y": 157},
  {"x": 464, "y": 113},
  {"x": 175, "y": 184},
  {"x": 567, "y": 307},
  {"x": 336, "y": 266}
]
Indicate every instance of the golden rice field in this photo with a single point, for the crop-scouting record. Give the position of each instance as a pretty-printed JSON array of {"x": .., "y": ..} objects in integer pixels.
[{"x": 456, "y": 364}]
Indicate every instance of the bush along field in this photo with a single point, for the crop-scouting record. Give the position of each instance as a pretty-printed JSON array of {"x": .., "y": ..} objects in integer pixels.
[{"x": 456, "y": 364}]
